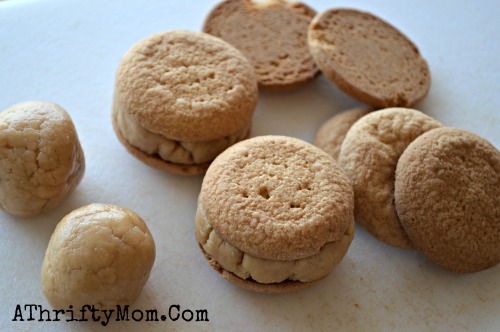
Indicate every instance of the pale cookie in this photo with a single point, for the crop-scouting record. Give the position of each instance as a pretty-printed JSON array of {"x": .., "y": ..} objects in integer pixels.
[
  {"x": 41, "y": 160},
  {"x": 331, "y": 134},
  {"x": 98, "y": 255},
  {"x": 273, "y": 36},
  {"x": 447, "y": 194},
  {"x": 181, "y": 98},
  {"x": 369, "y": 155},
  {"x": 368, "y": 58},
  {"x": 274, "y": 214}
]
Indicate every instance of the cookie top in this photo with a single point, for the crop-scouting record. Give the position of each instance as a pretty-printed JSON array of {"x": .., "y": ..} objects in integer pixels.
[
  {"x": 447, "y": 194},
  {"x": 369, "y": 155},
  {"x": 368, "y": 58},
  {"x": 331, "y": 134},
  {"x": 186, "y": 86},
  {"x": 273, "y": 36},
  {"x": 277, "y": 197}
]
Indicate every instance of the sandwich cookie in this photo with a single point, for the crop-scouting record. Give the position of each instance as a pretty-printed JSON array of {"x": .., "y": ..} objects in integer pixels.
[
  {"x": 273, "y": 36},
  {"x": 369, "y": 155},
  {"x": 331, "y": 134},
  {"x": 181, "y": 98},
  {"x": 447, "y": 194},
  {"x": 368, "y": 58},
  {"x": 274, "y": 214}
]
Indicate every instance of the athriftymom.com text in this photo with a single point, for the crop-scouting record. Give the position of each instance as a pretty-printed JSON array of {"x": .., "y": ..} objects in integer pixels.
[{"x": 36, "y": 312}]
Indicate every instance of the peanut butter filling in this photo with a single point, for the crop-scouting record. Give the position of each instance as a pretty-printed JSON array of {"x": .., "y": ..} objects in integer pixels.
[
  {"x": 179, "y": 152},
  {"x": 267, "y": 271}
]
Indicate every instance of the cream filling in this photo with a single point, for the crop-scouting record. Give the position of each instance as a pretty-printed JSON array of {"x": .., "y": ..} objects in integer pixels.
[
  {"x": 270, "y": 271},
  {"x": 179, "y": 152}
]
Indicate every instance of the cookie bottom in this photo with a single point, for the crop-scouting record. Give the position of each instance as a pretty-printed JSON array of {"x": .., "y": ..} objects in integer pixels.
[
  {"x": 249, "y": 284},
  {"x": 157, "y": 162}
]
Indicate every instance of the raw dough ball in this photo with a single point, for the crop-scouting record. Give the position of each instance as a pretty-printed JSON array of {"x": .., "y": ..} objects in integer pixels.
[
  {"x": 41, "y": 160},
  {"x": 98, "y": 255}
]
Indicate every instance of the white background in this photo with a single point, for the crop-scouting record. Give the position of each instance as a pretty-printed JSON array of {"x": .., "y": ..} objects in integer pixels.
[{"x": 67, "y": 52}]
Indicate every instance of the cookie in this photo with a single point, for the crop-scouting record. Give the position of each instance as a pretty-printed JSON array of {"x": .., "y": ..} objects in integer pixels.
[
  {"x": 368, "y": 58},
  {"x": 41, "y": 159},
  {"x": 181, "y": 98},
  {"x": 331, "y": 134},
  {"x": 273, "y": 36},
  {"x": 98, "y": 255},
  {"x": 274, "y": 214},
  {"x": 447, "y": 193},
  {"x": 369, "y": 155}
]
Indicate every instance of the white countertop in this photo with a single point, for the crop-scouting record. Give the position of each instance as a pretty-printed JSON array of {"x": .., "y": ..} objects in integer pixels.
[{"x": 67, "y": 52}]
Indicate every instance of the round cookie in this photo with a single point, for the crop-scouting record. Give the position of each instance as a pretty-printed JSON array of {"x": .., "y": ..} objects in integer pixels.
[
  {"x": 368, "y": 58},
  {"x": 41, "y": 159},
  {"x": 273, "y": 36},
  {"x": 274, "y": 214},
  {"x": 369, "y": 155},
  {"x": 331, "y": 134},
  {"x": 98, "y": 255},
  {"x": 447, "y": 193},
  {"x": 181, "y": 98}
]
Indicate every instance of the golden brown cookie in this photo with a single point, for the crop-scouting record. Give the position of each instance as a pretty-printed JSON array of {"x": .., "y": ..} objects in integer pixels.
[
  {"x": 273, "y": 36},
  {"x": 41, "y": 159},
  {"x": 331, "y": 134},
  {"x": 369, "y": 155},
  {"x": 368, "y": 58},
  {"x": 98, "y": 255},
  {"x": 181, "y": 98},
  {"x": 447, "y": 194},
  {"x": 274, "y": 214}
]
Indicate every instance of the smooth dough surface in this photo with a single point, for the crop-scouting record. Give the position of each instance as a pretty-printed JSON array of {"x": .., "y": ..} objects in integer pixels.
[
  {"x": 447, "y": 194},
  {"x": 98, "y": 254},
  {"x": 41, "y": 159},
  {"x": 369, "y": 155}
]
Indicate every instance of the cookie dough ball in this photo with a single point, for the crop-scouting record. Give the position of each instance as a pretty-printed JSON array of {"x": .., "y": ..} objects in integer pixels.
[
  {"x": 447, "y": 195},
  {"x": 181, "y": 98},
  {"x": 274, "y": 214},
  {"x": 331, "y": 134},
  {"x": 273, "y": 36},
  {"x": 41, "y": 160},
  {"x": 369, "y": 155},
  {"x": 98, "y": 255}
]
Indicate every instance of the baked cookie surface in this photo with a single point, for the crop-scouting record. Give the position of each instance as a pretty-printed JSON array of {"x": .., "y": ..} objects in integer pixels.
[
  {"x": 273, "y": 36},
  {"x": 447, "y": 194},
  {"x": 274, "y": 209},
  {"x": 182, "y": 97},
  {"x": 331, "y": 134},
  {"x": 368, "y": 58},
  {"x": 369, "y": 155}
]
